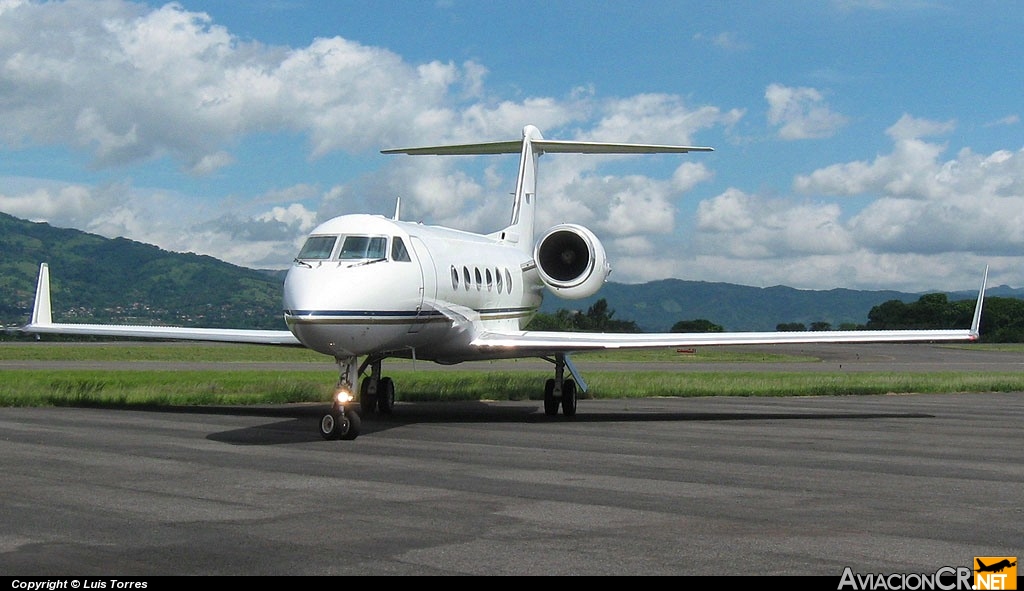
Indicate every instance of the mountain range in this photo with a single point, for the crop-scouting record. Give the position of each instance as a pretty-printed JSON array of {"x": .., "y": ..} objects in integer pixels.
[{"x": 97, "y": 279}]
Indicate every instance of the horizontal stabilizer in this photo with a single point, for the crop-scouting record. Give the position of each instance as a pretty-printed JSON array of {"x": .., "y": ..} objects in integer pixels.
[{"x": 552, "y": 146}]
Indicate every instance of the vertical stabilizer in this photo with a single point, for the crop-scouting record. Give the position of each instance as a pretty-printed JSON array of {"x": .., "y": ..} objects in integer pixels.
[
  {"x": 41, "y": 309},
  {"x": 520, "y": 230}
]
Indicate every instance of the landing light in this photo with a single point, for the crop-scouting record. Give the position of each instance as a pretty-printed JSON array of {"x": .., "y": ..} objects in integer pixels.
[{"x": 343, "y": 397}]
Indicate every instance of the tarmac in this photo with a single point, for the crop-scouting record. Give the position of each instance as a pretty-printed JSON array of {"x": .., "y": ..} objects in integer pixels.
[{"x": 689, "y": 486}]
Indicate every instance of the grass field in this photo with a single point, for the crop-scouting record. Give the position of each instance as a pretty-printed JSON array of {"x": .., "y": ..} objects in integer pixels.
[{"x": 304, "y": 376}]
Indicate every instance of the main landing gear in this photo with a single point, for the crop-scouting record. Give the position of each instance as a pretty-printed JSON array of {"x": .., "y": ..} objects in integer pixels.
[
  {"x": 560, "y": 391},
  {"x": 375, "y": 394}
]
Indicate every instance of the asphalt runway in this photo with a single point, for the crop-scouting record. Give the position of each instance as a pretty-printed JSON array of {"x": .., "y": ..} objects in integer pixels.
[{"x": 708, "y": 486}]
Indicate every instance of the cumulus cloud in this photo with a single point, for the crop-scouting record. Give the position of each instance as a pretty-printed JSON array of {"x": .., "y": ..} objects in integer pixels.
[
  {"x": 910, "y": 171},
  {"x": 801, "y": 113},
  {"x": 910, "y": 128},
  {"x": 63, "y": 204},
  {"x": 750, "y": 226},
  {"x": 656, "y": 118},
  {"x": 920, "y": 219},
  {"x": 126, "y": 84}
]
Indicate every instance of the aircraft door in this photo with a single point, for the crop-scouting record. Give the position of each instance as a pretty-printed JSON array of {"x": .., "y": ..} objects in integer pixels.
[{"x": 428, "y": 284}]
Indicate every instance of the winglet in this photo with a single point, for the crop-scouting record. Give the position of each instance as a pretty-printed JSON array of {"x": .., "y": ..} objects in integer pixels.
[
  {"x": 976, "y": 322},
  {"x": 41, "y": 309}
]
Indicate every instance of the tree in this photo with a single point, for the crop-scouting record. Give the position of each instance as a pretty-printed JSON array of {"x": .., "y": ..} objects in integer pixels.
[
  {"x": 698, "y": 325},
  {"x": 930, "y": 311},
  {"x": 597, "y": 318}
]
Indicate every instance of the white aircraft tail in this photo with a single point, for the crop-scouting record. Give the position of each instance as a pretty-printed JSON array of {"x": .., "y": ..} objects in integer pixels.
[{"x": 521, "y": 230}]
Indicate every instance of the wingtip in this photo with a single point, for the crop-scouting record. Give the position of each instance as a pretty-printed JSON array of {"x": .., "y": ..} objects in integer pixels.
[
  {"x": 976, "y": 321},
  {"x": 41, "y": 311}
]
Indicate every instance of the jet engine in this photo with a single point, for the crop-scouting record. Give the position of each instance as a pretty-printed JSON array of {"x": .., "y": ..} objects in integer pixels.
[{"x": 571, "y": 261}]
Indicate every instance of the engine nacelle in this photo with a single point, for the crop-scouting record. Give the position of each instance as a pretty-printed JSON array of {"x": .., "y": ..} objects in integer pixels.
[{"x": 571, "y": 261}]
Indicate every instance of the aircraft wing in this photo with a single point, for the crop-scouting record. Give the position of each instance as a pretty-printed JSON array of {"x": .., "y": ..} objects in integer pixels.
[
  {"x": 545, "y": 342},
  {"x": 587, "y": 341},
  {"x": 42, "y": 323}
]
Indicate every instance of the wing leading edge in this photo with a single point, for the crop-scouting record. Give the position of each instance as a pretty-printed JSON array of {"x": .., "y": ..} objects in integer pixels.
[
  {"x": 42, "y": 323},
  {"x": 551, "y": 342}
]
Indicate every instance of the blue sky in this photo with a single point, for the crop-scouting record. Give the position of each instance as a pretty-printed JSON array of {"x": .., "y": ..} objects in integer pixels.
[{"x": 861, "y": 143}]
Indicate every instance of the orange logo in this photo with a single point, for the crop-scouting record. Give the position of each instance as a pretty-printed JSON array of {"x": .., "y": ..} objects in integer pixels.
[{"x": 995, "y": 572}]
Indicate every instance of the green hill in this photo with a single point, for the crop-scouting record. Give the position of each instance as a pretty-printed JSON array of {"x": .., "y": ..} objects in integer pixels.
[
  {"x": 657, "y": 305},
  {"x": 96, "y": 279}
]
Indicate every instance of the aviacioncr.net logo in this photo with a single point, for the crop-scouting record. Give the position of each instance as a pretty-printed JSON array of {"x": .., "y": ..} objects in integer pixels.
[{"x": 946, "y": 578}]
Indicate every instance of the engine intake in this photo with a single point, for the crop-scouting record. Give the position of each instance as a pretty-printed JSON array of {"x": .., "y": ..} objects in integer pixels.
[{"x": 571, "y": 261}]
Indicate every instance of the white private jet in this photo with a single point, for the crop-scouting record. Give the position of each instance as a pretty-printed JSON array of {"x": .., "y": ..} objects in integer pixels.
[{"x": 369, "y": 287}]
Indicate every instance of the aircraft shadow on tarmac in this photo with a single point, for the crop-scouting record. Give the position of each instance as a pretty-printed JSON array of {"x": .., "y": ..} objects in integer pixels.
[{"x": 299, "y": 425}]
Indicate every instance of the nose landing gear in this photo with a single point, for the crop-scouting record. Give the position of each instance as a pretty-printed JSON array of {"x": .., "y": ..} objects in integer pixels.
[{"x": 342, "y": 421}]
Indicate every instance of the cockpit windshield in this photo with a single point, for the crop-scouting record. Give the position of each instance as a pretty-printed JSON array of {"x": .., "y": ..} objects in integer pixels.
[
  {"x": 363, "y": 247},
  {"x": 317, "y": 248}
]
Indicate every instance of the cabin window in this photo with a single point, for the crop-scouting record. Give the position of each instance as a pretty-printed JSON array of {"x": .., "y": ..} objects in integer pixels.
[
  {"x": 476, "y": 271},
  {"x": 465, "y": 277},
  {"x": 497, "y": 279},
  {"x": 363, "y": 247},
  {"x": 487, "y": 274},
  {"x": 318, "y": 248},
  {"x": 398, "y": 251},
  {"x": 455, "y": 277},
  {"x": 508, "y": 281}
]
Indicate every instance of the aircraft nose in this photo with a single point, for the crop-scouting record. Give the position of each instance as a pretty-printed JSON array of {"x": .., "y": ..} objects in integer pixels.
[{"x": 296, "y": 284}]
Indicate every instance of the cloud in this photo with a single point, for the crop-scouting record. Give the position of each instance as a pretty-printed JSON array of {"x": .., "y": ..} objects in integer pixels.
[
  {"x": 973, "y": 203},
  {"x": 656, "y": 118},
  {"x": 909, "y": 128},
  {"x": 48, "y": 203},
  {"x": 211, "y": 163},
  {"x": 919, "y": 220},
  {"x": 125, "y": 85},
  {"x": 1008, "y": 120},
  {"x": 753, "y": 227},
  {"x": 727, "y": 40},
  {"x": 909, "y": 171},
  {"x": 801, "y": 113}
]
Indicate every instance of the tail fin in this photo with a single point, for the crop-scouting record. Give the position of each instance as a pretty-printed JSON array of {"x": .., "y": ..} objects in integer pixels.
[{"x": 520, "y": 230}]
